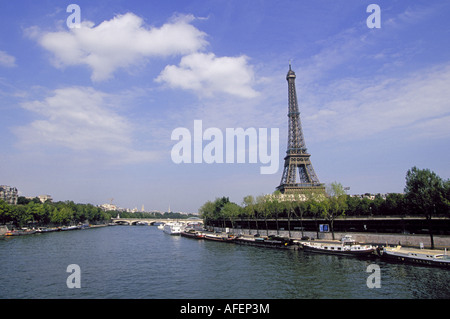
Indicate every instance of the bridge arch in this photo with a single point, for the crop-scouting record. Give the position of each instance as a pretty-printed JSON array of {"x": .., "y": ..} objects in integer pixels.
[
  {"x": 121, "y": 222},
  {"x": 150, "y": 221}
]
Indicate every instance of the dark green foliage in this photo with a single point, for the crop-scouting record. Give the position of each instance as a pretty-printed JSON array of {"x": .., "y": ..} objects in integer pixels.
[
  {"x": 425, "y": 193},
  {"x": 35, "y": 213}
]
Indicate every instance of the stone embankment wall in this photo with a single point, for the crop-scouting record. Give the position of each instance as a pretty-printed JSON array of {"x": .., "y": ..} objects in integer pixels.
[{"x": 373, "y": 238}]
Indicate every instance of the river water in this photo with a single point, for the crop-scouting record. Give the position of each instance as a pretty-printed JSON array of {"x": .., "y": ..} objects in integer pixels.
[{"x": 143, "y": 262}]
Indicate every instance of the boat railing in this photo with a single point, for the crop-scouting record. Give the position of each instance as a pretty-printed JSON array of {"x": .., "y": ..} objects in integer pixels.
[{"x": 442, "y": 256}]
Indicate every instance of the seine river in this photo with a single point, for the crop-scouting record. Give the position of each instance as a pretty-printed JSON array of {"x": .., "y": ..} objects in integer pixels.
[{"x": 137, "y": 262}]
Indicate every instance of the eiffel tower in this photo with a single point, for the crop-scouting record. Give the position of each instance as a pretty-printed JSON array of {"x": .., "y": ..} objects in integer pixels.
[{"x": 297, "y": 156}]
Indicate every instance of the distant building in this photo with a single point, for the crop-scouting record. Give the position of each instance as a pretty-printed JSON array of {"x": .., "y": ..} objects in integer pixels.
[
  {"x": 9, "y": 194},
  {"x": 44, "y": 198},
  {"x": 108, "y": 207},
  {"x": 370, "y": 196}
]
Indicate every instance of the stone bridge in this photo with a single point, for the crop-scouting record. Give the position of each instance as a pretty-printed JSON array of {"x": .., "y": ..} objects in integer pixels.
[{"x": 151, "y": 221}]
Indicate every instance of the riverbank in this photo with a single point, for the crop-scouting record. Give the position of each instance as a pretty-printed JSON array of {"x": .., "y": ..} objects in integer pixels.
[
  {"x": 5, "y": 231},
  {"x": 380, "y": 239}
]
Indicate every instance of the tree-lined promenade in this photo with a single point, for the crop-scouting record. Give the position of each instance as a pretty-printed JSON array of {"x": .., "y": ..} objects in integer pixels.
[
  {"x": 426, "y": 195},
  {"x": 34, "y": 213}
]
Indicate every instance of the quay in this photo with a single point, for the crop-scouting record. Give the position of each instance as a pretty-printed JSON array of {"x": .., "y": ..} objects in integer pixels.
[
  {"x": 378, "y": 239},
  {"x": 347, "y": 246},
  {"x": 6, "y": 232}
]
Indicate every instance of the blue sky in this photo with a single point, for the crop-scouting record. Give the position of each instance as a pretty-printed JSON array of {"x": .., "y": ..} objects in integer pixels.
[{"x": 86, "y": 114}]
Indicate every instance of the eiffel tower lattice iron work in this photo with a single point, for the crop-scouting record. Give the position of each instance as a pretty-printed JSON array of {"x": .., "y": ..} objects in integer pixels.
[{"x": 297, "y": 157}]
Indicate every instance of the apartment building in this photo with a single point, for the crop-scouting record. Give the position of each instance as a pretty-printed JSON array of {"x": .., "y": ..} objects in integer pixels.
[{"x": 9, "y": 194}]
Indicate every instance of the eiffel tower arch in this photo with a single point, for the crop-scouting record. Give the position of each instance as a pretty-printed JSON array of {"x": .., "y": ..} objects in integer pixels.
[{"x": 297, "y": 159}]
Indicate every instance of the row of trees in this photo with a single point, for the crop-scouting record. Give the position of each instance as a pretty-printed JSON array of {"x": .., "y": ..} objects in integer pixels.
[
  {"x": 60, "y": 213},
  {"x": 315, "y": 205},
  {"x": 426, "y": 194},
  {"x": 33, "y": 212}
]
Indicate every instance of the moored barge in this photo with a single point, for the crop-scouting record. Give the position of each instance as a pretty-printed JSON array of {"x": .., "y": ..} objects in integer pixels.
[
  {"x": 425, "y": 257},
  {"x": 192, "y": 233},
  {"x": 223, "y": 237},
  {"x": 20, "y": 232},
  {"x": 270, "y": 241},
  {"x": 346, "y": 247}
]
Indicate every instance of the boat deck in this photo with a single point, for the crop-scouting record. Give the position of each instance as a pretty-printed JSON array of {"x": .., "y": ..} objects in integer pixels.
[{"x": 411, "y": 250}]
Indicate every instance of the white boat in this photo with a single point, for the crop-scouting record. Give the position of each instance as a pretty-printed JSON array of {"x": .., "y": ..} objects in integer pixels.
[
  {"x": 417, "y": 256},
  {"x": 46, "y": 229},
  {"x": 347, "y": 246},
  {"x": 64, "y": 228},
  {"x": 173, "y": 228},
  {"x": 219, "y": 237},
  {"x": 161, "y": 226}
]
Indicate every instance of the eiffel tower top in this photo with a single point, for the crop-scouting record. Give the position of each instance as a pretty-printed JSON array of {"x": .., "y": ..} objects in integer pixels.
[{"x": 290, "y": 74}]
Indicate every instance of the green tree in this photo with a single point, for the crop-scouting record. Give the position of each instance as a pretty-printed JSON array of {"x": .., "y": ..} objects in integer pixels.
[
  {"x": 395, "y": 204},
  {"x": 446, "y": 201},
  {"x": 249, "y": 209},
  {"x": 289, "y": 207},
  {"x": 264, "y": 210},
  {"x": 62, "y": 216},
  {"x": 36, "y": 211},
  {"x": 353, "y": 205},
  {"x": 207, "y": 212},
  {"x": 315, "y": 207},
  {"x": 337, "y": 203},
  {"x": 212, "y": 211},
  {"x": 323, "y": 210},
  {"x": 219, "y": 204},
  {"x": 231, "y": 211},
  {"x": 299, "y": 209},
  {"x": 425, "y": 192},
  {"x": 364, "y": 207},
  {"x": 20, "y": 216},
  {"x": 378, "y": 205},
  {"x": 275, "y": 207},
  {"x": 5, "y": 212}
]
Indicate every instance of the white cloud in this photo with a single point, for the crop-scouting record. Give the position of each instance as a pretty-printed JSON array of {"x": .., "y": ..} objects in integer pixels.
[
  {"x": 206, "y": 74},
  {"x": 413, "y": 15},
  {"x": 357, "y": 108},
  {"x": 125, "y": 41},
  {"x": 7, "y": 60},
  {"x": 81, "y": 119},
  {"x": 121, "y": 42}
]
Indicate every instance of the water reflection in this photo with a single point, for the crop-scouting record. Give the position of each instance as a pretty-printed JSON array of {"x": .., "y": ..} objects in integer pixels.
[{"x": 143, "y": 262}]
